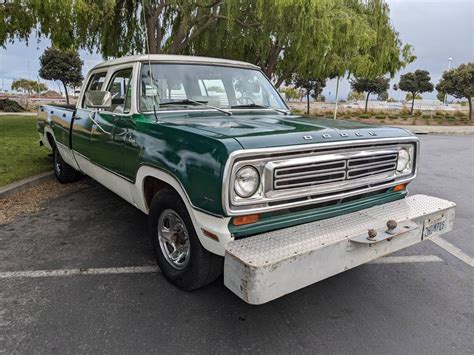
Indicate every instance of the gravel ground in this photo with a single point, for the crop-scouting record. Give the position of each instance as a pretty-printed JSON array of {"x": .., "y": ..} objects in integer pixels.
[{"x": 30, "y": 201}]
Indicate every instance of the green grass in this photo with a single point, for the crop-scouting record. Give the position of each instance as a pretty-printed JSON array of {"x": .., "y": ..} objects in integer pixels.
[{"x": 20, "y": 154}]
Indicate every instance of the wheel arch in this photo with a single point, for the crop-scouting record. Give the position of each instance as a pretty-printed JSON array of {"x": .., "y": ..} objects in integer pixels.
[
  {"x": 150, "y": 179},
  {"x": 50, "y": 140}
]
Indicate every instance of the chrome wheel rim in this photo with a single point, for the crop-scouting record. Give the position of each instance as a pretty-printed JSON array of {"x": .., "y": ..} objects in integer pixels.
[{"x": 173, "y": 238}]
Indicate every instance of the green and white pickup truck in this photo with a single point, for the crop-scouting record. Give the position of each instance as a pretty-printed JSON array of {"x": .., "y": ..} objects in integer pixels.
[{"x": 232, "y": 182}]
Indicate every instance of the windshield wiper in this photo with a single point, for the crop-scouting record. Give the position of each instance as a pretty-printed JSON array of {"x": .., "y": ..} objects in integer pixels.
[
  {"x": 193, "y": 102},
  {"x": 260, "y": 106}
]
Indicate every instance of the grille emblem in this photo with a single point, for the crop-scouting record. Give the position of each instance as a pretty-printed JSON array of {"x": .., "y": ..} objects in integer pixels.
[{"x": 307, "y": 138}]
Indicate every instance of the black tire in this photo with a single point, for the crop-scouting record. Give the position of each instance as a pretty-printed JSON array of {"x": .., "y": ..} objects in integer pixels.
[
  {"x": 203, "y": 267},
  {"x": 64, "y": 173}
]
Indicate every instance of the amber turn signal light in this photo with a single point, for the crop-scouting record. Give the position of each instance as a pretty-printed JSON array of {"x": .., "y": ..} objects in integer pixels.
[
  {"x": 401, "y": 187},
  {"x": 210, "y": 235},
  {"x": 251, "y": 218}
]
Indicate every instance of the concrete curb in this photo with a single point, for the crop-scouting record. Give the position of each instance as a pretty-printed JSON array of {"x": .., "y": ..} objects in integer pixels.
[
  {"x": 22, "y": 185},
  {"x": 26, "y": 113}
]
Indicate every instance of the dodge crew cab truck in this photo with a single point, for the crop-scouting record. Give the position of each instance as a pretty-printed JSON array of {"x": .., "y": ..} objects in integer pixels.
[{"x": 233, "y": 182}]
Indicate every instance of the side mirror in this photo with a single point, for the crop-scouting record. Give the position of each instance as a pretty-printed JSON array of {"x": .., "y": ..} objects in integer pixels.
[{"x": 98, "y": 99}]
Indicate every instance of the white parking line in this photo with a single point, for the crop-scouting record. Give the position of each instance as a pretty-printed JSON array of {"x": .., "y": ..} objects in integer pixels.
[
  {"x": 453, "y": 250},
  {"x": 407, "y": 259},
  {"x": 154, "y": 269},
  {"x": 84, "y": 271}
]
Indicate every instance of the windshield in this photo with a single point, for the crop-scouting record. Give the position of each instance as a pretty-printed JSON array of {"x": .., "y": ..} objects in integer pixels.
[{"x": 176, "y": 86}]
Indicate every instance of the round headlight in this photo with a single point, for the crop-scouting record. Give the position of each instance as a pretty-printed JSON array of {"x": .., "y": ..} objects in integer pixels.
[
  {"x": 403, "y": 160},
  {"x": 246, "y": 181}
]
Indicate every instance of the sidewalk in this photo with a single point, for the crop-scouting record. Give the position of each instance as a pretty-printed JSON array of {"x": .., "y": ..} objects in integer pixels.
[{"x": 438, "y": 129}]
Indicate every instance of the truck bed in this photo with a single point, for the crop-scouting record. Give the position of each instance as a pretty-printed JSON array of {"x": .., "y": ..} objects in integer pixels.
[{"x": 55, "y": 120}]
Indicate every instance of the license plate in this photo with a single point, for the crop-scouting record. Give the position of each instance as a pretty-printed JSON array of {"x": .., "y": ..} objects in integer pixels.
[{"x": 435, "y": 227}]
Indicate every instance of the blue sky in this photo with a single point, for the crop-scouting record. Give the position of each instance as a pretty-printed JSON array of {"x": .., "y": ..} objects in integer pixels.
[{"x": 437, "y": 29}]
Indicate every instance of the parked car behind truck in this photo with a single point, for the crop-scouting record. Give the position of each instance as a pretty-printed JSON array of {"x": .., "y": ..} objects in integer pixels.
[{"x": 232, "y": 182}]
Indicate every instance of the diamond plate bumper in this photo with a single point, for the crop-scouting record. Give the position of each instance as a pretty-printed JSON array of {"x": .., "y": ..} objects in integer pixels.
[{"x": 269, "y": 265}]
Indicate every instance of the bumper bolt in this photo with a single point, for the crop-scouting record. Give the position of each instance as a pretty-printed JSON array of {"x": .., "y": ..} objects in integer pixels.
[
  {"x": 391, "y": 225},
  {"x": 372, "y": 234}
]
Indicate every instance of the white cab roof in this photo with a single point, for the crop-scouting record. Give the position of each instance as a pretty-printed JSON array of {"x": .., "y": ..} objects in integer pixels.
[{"x": 169, "y": 58}]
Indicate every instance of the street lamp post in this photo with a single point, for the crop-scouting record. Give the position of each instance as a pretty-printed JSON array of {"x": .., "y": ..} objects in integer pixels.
[{"x": 449, "y": 68}]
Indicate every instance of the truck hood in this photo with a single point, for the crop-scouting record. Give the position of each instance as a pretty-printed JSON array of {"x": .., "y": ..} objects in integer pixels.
[{"x": 263, "y": 131}]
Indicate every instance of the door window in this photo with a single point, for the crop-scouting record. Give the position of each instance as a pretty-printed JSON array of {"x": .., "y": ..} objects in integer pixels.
[
  {"x": 121, "y": 89},
  {"x": 95, "y": 83}
]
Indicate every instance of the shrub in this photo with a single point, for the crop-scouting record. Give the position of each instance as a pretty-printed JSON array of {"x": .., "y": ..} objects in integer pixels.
[
  {"x": 380, "y": 117},
  {"x": 8, "y": 105},
  {"x": 364, "y": 115},
  {"x": 404, "y": 111},
  {"x": 417, "y": 113},
  {"x": 425, "y": 116}
]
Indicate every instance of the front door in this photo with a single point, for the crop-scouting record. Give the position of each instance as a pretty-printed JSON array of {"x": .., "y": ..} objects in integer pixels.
[{"x": 126, "y": 134}]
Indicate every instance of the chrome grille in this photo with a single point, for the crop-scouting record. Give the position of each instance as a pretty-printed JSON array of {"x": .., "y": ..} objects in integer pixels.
[{"x": 335, "y": 169}]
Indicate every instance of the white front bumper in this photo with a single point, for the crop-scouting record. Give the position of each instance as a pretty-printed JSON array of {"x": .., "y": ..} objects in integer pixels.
[{"x": 267, "y": 266}]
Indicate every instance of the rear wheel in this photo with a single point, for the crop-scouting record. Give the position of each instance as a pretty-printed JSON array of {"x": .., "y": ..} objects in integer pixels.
[
  {"x": 64, "y": 173},
  {"x": 179, "y": 253}
]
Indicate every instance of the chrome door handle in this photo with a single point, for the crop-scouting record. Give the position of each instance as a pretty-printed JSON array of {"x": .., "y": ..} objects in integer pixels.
[
  {"x": 97, "y": 124},
  {"x": 129, "y": 139}
]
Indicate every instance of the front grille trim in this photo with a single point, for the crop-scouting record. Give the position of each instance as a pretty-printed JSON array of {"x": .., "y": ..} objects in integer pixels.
[{"x": 352, "y": 166}]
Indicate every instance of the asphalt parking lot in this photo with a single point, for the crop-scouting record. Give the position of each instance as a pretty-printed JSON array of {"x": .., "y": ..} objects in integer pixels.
[{"x": 421, "y": 304}]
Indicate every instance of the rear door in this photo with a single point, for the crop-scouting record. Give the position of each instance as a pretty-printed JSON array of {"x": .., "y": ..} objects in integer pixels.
[
  {"x": 82, "y": 125},
  {"x": 106, "y": 137}
]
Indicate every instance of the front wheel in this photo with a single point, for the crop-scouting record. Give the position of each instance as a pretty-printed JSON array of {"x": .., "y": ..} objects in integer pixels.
[
  {"x": 179, "y": 253},
  {"x": 64, "y": 173}
]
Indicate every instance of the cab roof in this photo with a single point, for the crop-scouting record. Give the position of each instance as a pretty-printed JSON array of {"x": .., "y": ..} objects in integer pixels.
[{"x": 170, "y": 58}]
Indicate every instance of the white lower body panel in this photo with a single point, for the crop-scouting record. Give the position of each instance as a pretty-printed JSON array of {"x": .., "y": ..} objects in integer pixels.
[{"x": 267, "y": 266}]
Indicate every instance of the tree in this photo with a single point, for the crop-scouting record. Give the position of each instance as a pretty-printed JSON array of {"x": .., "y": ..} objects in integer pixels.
[
  {"x": 440, "y": 95},
  {"x": 64, "y": 66},
  {"x": 459, "y": 82},
  {"x": 30, "y": 86},
  {"x": 291, "y": 93},
  {"x": 377, "y": 86},
  {"x": 383, "y": 96},
  {"x": 409, "y": 97},
  {"x": 313, "y": 87},
  {"x": 355, "y": 96},
  {"x": 283, "y": 37},
  {"x": 295, "y": 37},
  {"x": 115, "y": 27},
  {"x": 415, "y": 83}
]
